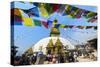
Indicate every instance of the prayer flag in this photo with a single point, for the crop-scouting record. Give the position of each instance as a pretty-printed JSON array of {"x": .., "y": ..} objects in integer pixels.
[
  {"x": 28, "y": 21},
  {"x": 88, "y": 27},
  {"x": 16, "y": 11},
  {"x": 73, "y": 12},
  {"x": 91, "y": 14},
  {"x": 61, "y": 9},
  {"x": 85, "y": 13},
  {"x": 16, "y": 23},
  {"x": 71, "y": 26},
  {"x": 16, "y": 17},
  {"x": 43, "y": 10},
  {"x": 50, "y": 23},
  {"x": 49, "y": 8},
  {"x": 45, "y": 24},
  {"x": 66, "y": 26},
  {"x": 55, "y": 7},
  {"x": 68, "y": 9},
  {"x": 79, "y": 13},
  {"x": 37, "y": 22},
  {"x": 93, "y": 19},
  {"x": 22, "y": 2},
  {"x": 32, "y": 12},
  {"x": 62, "y": 25},
  {"x": 80, "y": 27},
  {"x": 57, "y": 25},
  {"x": 36, "y": 4}
]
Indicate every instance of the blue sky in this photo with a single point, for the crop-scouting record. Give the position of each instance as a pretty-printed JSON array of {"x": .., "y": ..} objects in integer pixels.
[{"x": 25, "y": 36}]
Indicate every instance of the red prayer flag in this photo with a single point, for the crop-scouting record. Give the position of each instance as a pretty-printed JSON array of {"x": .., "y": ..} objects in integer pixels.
[
  {"x": 45, "y": 24},
  {"x": 55, "y": 7}
]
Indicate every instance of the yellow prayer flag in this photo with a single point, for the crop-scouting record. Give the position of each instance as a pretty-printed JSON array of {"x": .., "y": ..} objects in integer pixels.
[
  {"x": 28, "y": 21},
  {"x": 43, "y": 11}
]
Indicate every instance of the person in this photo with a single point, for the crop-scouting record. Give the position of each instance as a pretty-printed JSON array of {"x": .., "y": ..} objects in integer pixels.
[
  {"x": 61, "y": 59},
  {"x": 49, "y": 57},
  {"x": 33, "y": 59},
  {"x": 17, "y": 60},
  {"x": 70, "y": 57},
  {"x": 25, "y": 60},
  {"x": 40, "y": 58},
  {"x": 75, "y": 56},
  {"x": 54, "y": 59},
  {"x": 92, "y": 57}
]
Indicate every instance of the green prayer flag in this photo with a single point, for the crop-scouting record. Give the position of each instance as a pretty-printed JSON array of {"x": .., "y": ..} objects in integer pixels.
[
  {"x": 49, "y": 8},
  {"x": 37, "y": 22},
  {"x": 62, "y": 25},
  {"x": 91, "y": 14}
]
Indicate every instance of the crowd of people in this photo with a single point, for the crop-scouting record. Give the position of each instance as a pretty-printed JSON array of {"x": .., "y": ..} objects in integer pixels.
[
  {"x": 40, "y": 58},
  {"x": 46, "y": 59}
]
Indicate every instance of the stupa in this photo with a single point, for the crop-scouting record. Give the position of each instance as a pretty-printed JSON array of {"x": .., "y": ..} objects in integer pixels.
[{"x": 52, "y": 44}]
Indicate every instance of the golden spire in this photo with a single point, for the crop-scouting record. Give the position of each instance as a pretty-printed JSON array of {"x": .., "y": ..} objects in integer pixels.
[
  {"x": 50, "y": 44},
  {"x": 58, "y": 43}
]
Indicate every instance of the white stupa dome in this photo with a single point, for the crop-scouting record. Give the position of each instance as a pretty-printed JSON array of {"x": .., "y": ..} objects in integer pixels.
[{"x": 44, "y": 42}]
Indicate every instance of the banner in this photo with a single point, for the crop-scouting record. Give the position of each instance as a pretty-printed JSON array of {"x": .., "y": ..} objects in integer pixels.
[
  {"x": 93, "y": 19},
  {"x": 28, "y": 21},
  {"x": 16, "y": 16},
  {"x": 37, "y": 22},
  {"x": 74, "y": 26},
  {"x": 32, "y": 12},
  {"x": 45, "y": 24},
  {"x": 43, "y": 10},
  {"x": 75, "y": 12}
]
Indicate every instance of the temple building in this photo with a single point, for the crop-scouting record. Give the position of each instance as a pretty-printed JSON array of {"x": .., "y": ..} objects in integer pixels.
[{"x": 54, "y": 44}]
